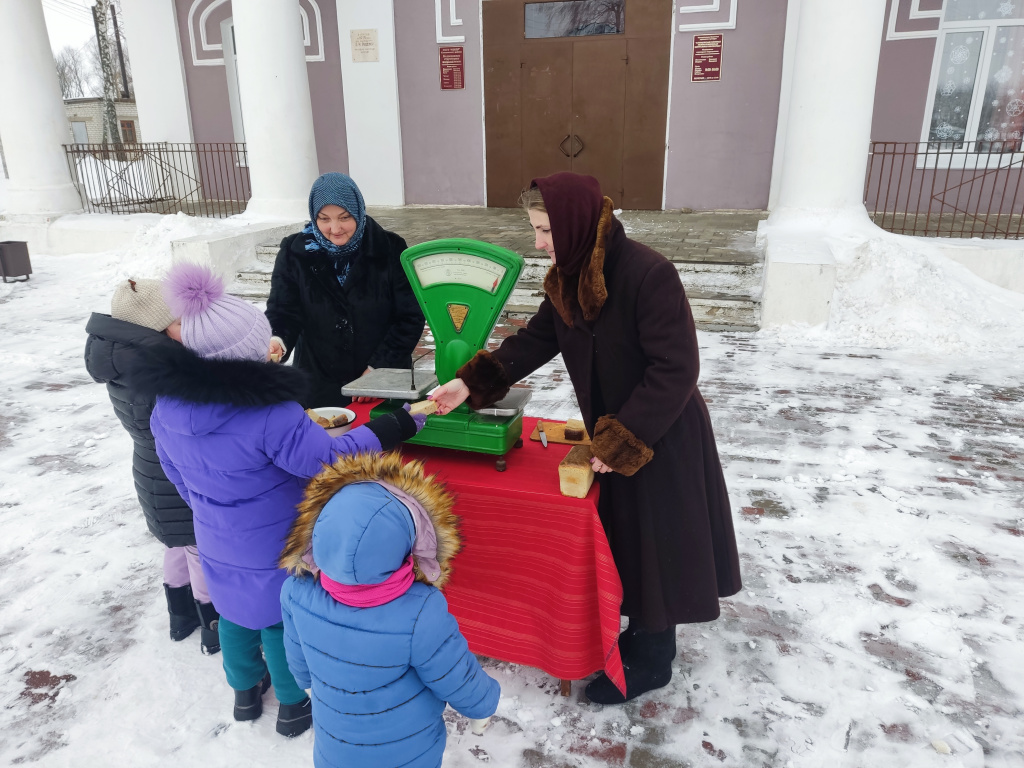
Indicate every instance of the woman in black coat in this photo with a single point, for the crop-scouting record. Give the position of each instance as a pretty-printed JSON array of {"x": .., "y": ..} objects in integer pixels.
[
  {"x": 617, "y": 312},
  {"x": 339, "y": 296},
  {"x": 139, "y": 321}
]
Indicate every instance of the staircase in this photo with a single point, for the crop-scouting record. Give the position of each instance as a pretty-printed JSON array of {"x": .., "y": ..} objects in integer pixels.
[{"x": 715, "y": 254}]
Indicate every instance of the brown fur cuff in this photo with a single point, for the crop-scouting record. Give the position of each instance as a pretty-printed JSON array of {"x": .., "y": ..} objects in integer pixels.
[
  {"x": 619, "y": 448},
  {"x": 486, "y": 378}
]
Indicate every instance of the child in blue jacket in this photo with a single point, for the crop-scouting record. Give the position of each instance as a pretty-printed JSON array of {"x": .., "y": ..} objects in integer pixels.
[{"x": 370, "y": 633}]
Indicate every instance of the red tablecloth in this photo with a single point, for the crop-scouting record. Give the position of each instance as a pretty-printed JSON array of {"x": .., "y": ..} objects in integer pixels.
[{"x": 535, "y": 582}]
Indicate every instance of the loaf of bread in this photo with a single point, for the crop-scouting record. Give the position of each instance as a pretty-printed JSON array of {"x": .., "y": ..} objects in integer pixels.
[
  {"x": 574, "y": 430},
  {"x": 423, "y": 406},
  {"x": 320, "y": 420},
  {"x": 575, "y": 475}
]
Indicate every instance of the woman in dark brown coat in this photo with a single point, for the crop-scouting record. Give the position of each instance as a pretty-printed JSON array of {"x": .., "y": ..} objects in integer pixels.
[{"x": 617, "y": 312}]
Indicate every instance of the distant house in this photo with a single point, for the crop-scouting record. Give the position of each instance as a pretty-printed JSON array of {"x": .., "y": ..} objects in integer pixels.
[{"x": 85, "y": 120}]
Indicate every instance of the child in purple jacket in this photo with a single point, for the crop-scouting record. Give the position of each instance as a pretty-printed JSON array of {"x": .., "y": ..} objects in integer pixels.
[{"x": 233, "y": 438}]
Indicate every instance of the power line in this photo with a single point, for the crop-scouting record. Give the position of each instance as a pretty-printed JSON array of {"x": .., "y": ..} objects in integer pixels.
[{"x": 65, "y": 13}]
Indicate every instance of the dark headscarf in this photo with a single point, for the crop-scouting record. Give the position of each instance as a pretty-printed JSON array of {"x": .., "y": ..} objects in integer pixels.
[
  {"x": 574, "y": 203},
  {"x": 335, "y": 189}
]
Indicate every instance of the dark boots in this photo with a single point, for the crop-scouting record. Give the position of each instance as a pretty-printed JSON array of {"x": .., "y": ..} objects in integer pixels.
[
  {"x": 249, "y": 703},
  {"x": 181, "y": 607},
  {"x": 647, "y": 664},
  {"x": 208, "y": 618},
  {"x": 293, "y": 719}
]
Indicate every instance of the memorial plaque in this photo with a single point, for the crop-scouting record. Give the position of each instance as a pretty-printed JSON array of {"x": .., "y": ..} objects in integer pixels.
[
  {"x": 453, "y": 68},
  {"x": 707, "y": 58},
  {"x": 364, "y": 45}
]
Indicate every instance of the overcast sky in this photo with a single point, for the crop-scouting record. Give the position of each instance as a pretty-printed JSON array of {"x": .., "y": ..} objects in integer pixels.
[{"x": 68, "y": 22}]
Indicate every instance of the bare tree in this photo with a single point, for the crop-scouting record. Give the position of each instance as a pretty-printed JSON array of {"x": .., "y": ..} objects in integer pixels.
[{"x": 72, "y": 72}]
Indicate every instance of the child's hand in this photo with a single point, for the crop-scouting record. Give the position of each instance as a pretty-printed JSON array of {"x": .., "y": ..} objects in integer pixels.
[
  {"x": 479, "y": 726},
  {"x": 419, "y": 418}
]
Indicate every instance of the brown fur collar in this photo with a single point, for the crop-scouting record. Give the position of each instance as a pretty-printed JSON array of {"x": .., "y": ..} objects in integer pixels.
[
  {"x": 587, "y": 289},
  {"x": 486, "y": 378},
  {"x": 619, "y": 448},
  {"x": 370, "y": 467}
]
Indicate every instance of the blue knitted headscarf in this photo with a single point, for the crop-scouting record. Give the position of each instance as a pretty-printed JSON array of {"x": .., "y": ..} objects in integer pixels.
[{"x": 335, "y": 189}]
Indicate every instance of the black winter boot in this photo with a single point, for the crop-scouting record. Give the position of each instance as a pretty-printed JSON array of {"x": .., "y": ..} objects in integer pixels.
[
  {"x": 208, "y": 636},
  {"x": 293, "y": 719},
  {"x": 181, "y": 607},
  {"x": 647, "y": 666},
  {"x": 249, "y": 703}
]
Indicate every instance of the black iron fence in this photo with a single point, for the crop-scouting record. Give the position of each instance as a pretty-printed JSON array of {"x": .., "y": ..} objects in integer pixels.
[
  {"x": 947, "y": 189},
  {"x": 199, "y": 179}
]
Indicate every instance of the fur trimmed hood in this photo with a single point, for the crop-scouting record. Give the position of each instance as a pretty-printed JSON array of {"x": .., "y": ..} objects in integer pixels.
[
  {"x": 586, "y": 290},
  {"x": 178, "y": 373},
  {"x": 407, "y": 477}
]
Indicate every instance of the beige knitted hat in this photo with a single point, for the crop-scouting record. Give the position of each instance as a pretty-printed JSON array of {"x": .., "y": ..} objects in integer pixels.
[{"x": 141, "y": 302}]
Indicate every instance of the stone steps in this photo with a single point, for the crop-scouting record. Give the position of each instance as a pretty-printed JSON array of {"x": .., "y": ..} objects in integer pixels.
[{"x": 723, "y": 284}]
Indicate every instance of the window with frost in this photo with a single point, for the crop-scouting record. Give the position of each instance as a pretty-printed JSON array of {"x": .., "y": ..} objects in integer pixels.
[{"x": 978, "y": 77}]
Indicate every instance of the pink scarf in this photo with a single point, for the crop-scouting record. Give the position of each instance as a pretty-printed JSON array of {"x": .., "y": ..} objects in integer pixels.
[{"x": 370, "y": 595}]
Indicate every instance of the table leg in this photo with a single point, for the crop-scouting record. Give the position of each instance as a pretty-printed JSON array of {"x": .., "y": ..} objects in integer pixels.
[
  {"x": 500, "y": 464},
  {"x": 565, "y": 687}
]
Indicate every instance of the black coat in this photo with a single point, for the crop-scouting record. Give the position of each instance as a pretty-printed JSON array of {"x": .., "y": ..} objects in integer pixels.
[
  {"x": 634, "y": 368},
  {"x": 111, "y": 350},
  {"x": 335, "y": 331}
]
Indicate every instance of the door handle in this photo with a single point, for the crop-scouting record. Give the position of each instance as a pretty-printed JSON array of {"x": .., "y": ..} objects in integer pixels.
[
  {"x": 576, "y": 138},
  {"x": 561, "y": 144}
]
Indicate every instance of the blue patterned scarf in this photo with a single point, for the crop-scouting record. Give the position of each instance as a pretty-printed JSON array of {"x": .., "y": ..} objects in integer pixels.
[{"x": 335, "y": 189}]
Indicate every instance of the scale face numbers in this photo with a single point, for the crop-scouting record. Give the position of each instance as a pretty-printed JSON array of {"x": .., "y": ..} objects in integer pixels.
[{"x": 459, "y": 269}]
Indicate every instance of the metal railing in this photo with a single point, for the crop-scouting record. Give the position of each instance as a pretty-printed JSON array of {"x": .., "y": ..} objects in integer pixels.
[
  {"x": 209, "y": 180},
  {"x": 947, "y": 189}
]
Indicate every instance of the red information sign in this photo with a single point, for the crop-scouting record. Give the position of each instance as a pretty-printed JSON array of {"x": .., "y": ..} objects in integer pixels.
[
  {"x": 707, "y": 58},
  {"x": 453, "y": 68}
]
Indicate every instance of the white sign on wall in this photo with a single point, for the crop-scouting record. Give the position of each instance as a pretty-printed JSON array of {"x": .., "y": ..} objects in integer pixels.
[{"x": 364, "y": 45}]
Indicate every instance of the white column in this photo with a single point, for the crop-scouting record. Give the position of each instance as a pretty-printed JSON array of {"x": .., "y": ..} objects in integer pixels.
[
  {"x": 33, "y": 123},
  {"x": 832, "y": 95},
  {"x": 276, "y": 110},
  {"x": 818, "y": 195},
  {"x": 158, "y": 72},
  {"x": 372, "y": 119}
]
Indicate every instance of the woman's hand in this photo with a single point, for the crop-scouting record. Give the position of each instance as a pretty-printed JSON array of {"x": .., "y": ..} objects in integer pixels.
[
  {"x": 277, "y": 350},
  {"x": 449, "y": 396},
  {"x": 599, "y": 466},
  {"x": 365, "y": 399}
]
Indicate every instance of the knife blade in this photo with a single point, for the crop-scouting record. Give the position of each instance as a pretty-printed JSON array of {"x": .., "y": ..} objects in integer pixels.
[{"x": 543, "y": 434}]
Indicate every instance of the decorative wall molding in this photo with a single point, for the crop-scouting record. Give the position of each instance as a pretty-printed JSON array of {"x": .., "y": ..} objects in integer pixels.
[
  {"x": 200, "y": 52},
  {"x": 708, "y": 26},
  {"x": 453, "y": 20},
  {"x": 915, "y": 12}
]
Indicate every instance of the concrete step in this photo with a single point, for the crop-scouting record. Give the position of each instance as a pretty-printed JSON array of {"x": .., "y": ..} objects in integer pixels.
[{"x": 723, "y": 285}]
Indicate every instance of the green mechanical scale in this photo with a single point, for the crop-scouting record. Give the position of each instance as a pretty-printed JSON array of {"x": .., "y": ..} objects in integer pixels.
[{"x": 462, "y": 287}]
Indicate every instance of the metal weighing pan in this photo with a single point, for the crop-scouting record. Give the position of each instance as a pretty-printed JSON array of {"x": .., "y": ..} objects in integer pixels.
[
  {"x": 513, "y": 403},
  {"x": 392, "y": 384}
]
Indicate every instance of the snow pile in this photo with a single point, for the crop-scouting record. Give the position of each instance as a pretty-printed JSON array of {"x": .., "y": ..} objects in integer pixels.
[
  {"x": 149, "y": 255},
  {"x": 894, "y": 292}
]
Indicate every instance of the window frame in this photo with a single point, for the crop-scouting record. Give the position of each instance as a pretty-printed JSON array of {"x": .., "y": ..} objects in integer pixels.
[
  {"x": 131, "y": 124},
  {"x": 958, "y": 158}
]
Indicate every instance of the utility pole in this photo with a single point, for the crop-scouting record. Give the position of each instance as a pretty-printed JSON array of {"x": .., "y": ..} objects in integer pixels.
[
  {"x": 120, "y": 54},
  {"x": 111, "y": 130}
]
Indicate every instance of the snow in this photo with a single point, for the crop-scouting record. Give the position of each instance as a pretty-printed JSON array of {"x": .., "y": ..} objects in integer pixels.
[{"x": 875, "y": 474}]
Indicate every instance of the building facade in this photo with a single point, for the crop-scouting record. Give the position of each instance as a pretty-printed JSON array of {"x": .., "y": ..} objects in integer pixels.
[
  {"x": 85, "y": 120},
  {"x": 670, "y": 104}
]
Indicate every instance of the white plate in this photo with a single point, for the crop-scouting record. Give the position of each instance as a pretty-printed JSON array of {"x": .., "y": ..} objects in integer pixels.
[{"x": 330, "y": 412}]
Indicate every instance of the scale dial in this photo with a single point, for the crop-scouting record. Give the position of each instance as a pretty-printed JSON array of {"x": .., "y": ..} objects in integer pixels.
[{"x": 459, "y": 269}]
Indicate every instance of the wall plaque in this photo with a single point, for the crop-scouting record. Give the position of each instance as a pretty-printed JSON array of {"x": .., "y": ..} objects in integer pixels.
[
  {"x": 453, "y": 68},
  {"x": 364, "y": 45},
  {"x": 707, "y": 58}
]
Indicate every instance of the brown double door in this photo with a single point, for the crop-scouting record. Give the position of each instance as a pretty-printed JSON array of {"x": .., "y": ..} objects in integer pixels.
[{"x": 588, "y": 104}]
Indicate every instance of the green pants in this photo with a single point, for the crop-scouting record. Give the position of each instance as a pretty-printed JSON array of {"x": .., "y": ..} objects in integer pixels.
[{"x": 245, "y": 664}]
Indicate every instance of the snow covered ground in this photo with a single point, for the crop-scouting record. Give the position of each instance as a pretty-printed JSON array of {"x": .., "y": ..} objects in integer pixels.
[{"x": 878, "y": 489}]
